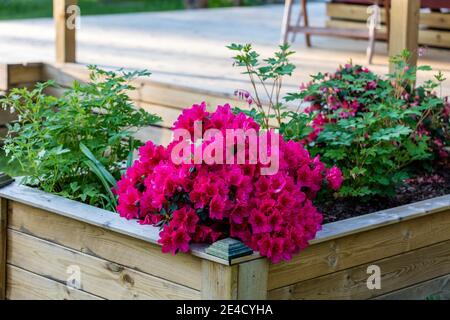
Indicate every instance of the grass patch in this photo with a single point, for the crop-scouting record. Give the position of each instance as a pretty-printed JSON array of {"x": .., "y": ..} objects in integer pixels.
[{"x": 22, "y": 9}]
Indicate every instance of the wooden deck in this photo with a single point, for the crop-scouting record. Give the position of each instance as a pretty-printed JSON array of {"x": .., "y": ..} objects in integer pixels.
[{"x": 188, "y": 47}]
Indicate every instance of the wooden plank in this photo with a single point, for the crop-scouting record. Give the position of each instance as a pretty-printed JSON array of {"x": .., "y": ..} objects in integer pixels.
[
  {"x": 108, "y": 221},
  {"x": 183, "y": 97},
  {"x": 100, "y": 277},
  {"x": 354, "y": 12},
  {"x": 404, "y": 30},
  {"x": 438, "y": 287},
  {"x": 379, "y": 219},
  {"x": 25, "y": 285},
  {"x": 436, "y": 38},
  {"x": 351, "y": 12},
  {"x": 3, "y": 245},
  {"x": 346, "y": 252},
  {"x": 147, "y": 91},
  {"x": 158, "y": 135},
  {"x": 436, "y": 20},
  {"x": 168, "y": 114},
  {"x": 24, "y": 73},
  {"x": 396, "y": 272},
  {"x": 104, "y": 219},
  {"x": 252, "y": 283},
  {"x": 184, "y": 269},
  {"x": 65, "y": 41},
  {"x": 219, "y": 282}
]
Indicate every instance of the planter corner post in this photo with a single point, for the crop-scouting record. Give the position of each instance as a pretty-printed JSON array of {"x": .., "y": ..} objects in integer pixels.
[{"x": 246, "y": 280}]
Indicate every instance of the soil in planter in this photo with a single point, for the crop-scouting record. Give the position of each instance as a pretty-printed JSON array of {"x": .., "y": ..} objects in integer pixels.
[{"x": 422, "y": 187}]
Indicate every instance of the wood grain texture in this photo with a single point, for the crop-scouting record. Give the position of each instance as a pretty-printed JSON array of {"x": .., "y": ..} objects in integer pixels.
[
  {"x": 78, "y": 211},
  {"x": 397, "y": 272},
  {"x": 100, "y": 277},
  {"x": 438, "y": 287},
  {"x": 437, "y": 38},
  {"x": 436, "y": 20},
  {"x": 3, "y": 245},
  {"x": 349, "y": 251},
  {"x": 96, "y": 241},
  {"x": 404, "y": 30},
  {"x": 25, "y": 285},
  {"x": 252, "y": 283},
  {"x": 219, "y": 282}
]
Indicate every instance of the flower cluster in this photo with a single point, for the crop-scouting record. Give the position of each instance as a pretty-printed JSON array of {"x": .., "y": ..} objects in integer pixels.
[
  {"x": 353, "y": 89},
  {"x": 272, "y": 214}
]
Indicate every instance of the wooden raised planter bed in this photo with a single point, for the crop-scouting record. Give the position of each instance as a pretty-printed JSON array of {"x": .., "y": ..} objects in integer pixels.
[{"x": 43, "y": 237}]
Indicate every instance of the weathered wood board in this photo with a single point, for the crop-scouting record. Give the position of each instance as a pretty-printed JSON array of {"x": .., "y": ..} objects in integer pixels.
[{"x": 120, "y": 259}]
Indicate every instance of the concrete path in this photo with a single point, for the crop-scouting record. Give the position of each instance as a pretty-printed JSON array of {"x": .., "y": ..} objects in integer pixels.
[{"x": 188, "y": 47}]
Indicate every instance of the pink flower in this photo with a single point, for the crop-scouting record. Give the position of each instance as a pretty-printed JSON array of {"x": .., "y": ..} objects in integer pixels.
[
  {"x": 216, "y": 208},
  {"x": 185, "y": 218},
  {"x": 203, "y": 203},
  {"x": 334, "y": 178},
  {"x": 174, "y": 240},
  {"x": 128, "y": 201}
]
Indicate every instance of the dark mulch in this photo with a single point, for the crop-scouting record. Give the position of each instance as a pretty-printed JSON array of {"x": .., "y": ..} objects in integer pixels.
[{"x": 422, "y": 187}]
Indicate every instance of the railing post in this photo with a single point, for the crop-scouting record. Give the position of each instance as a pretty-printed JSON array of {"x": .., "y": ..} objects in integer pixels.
[
  {"x": 65, "y": 42},
  {"x": 404, "y": 29}
]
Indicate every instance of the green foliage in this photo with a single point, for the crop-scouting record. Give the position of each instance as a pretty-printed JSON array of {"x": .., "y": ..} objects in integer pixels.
[
  {"x": 372, "y": 150},
  {"x": 268, "y": 76},
  {"x": 52, "y": 138},
  {"x": 377, "y": 130},
  {"x": 20, "y": 9}
]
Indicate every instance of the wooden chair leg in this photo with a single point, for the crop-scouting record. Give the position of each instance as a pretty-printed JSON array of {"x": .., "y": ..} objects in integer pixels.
[
  {"x": 306, "y": 22},
  {"x": 373, "y": 22},
  {"x": 297, "y": 24},
  {"x": 286, "y": 21}
]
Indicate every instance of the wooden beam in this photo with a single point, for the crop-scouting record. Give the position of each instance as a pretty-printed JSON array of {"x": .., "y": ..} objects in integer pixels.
[
  {"x": 404, "y": 31},
  {"x": 219, "y": 282},
  {"x": 3, "y": 237},
  {"x": 244, "y": 281},
  {"x": 253, "y": 278},
  {"x": 65, "y": 31}
]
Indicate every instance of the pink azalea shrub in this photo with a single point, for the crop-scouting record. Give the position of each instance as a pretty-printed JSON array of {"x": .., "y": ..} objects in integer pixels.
[{"x": 272, "y": 214}]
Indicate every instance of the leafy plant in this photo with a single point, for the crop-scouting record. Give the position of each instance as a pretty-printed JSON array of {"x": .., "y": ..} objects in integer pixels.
[
  {"x": 376, "y": 129},
  {"x": 267, "y": 74},
  {"x": 52, "y": 136}
]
